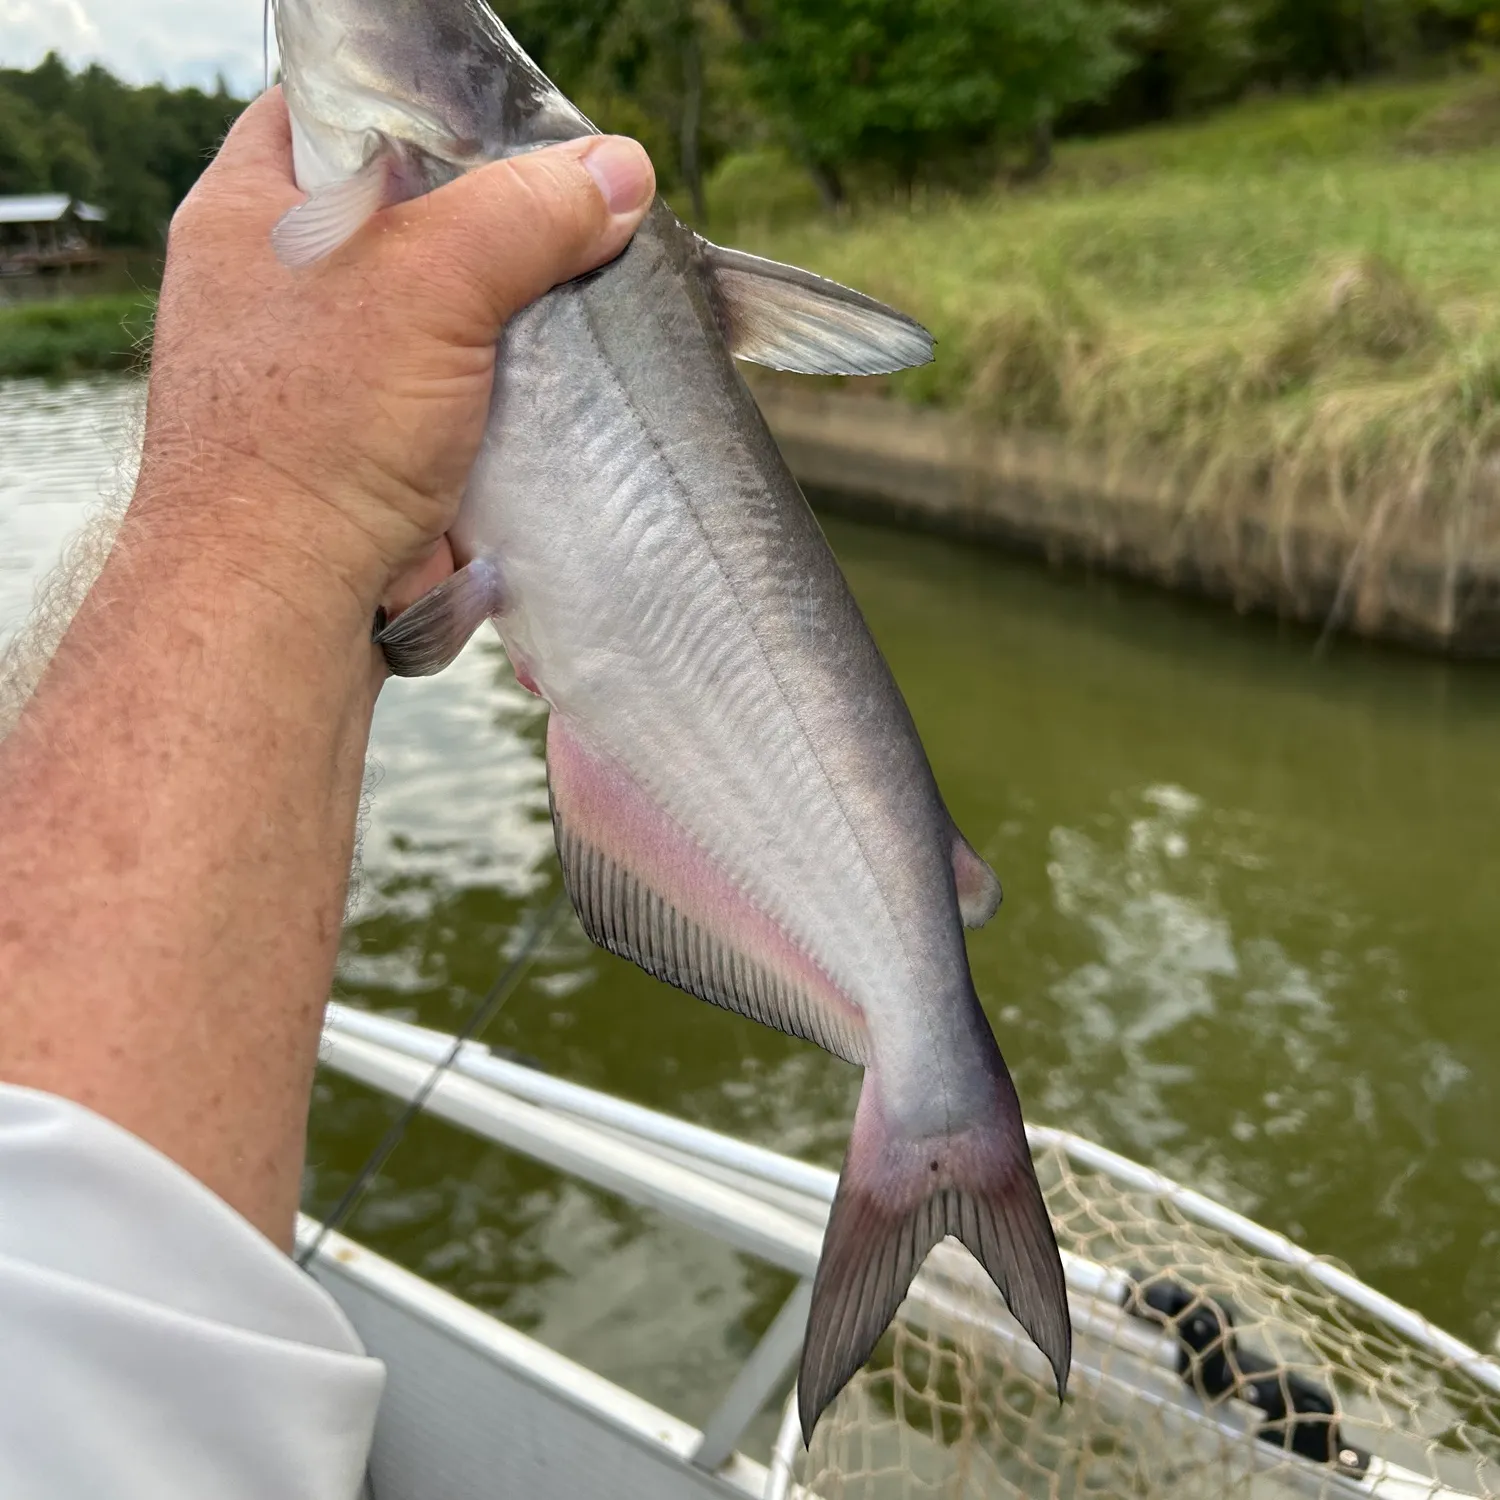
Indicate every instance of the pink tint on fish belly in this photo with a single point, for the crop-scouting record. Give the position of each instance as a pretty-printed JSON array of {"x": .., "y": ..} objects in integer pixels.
[{"x": 597, "y": 798}]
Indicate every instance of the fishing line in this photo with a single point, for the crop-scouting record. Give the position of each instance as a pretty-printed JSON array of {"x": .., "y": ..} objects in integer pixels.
[{"x": 488, "y": 1008}]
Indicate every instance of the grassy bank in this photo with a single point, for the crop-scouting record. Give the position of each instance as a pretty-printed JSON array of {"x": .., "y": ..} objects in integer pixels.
[
  {"x": 74, "y": 336},
  {"x": 1287, "y": 315},
  {"x": 1293, "y": 309}
]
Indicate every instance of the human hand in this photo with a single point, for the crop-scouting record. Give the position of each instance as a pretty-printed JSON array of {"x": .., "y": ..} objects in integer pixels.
[{"x": 326, "y": 419}]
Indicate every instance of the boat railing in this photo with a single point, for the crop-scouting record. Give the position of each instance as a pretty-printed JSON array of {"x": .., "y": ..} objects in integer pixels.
[{"x": 774, "y": 1208}]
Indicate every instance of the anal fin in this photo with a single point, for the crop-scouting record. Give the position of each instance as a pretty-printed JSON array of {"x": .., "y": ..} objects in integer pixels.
[
  {"x": 644, "y": 892},
  {"x": 428, "y": 636}
]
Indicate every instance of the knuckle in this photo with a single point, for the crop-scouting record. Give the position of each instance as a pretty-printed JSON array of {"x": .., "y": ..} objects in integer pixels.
[
  {"x": 183, "y": 227},
  {"x": 564, "y": 198}
]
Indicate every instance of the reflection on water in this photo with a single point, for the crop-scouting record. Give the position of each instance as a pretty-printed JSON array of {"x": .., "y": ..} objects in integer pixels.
[
  {"x": 1250, "y": 935},
  {"x": 457, "y": 794},
  {"x": 62, "y": 449},
  {"x": 1287, "y": 1050}
]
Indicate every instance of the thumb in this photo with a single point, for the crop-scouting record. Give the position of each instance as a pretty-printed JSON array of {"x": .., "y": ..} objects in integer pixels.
[{"x": 497, "y": 238}]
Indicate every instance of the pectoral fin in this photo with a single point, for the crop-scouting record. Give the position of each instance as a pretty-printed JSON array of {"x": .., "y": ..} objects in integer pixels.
[
  {"x": 333, "y": 215},
  {"x": 789, "y": 319},
  {"x": 424, "y": 639}
]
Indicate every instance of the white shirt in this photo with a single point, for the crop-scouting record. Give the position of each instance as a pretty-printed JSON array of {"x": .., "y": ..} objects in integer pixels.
[{"x": 153, "y": 1344}]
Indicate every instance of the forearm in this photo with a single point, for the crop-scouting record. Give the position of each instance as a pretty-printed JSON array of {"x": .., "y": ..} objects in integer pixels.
[
  {"x": 177, "y": 812},
  {"x": 178, "y": 798}
]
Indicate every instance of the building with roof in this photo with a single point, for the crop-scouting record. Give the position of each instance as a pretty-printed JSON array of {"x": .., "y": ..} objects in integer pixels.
[{"x": 42, "y": 232}]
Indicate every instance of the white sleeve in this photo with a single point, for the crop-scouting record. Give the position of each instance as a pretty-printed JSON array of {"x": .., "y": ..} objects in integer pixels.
[{"x": 153, "y": 1344}]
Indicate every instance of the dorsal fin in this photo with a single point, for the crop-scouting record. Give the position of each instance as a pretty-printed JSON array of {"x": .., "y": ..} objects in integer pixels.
[{"x": 790, "y": 319}]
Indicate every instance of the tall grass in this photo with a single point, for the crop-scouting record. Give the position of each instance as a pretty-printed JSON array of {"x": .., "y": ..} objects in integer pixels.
[
  {"x": 74, "y": 336},
  {"x": 1290, "y": 312}
]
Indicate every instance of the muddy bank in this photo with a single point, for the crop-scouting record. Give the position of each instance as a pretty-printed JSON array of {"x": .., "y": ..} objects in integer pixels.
[{"x": 1400, "y": 576}]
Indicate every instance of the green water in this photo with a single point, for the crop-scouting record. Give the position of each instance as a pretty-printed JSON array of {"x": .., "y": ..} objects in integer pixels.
[{"x": 1250, "y": 936}]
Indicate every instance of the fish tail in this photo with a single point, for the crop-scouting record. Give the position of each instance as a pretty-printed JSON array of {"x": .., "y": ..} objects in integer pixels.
[{"x": 897, "y": 1197}]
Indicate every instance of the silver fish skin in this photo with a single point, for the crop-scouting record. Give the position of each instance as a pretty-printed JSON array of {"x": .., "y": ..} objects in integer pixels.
[{"x": 741, "y": 802}]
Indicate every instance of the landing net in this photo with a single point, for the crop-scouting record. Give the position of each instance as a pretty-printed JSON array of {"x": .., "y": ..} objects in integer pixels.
[{"x": 1209, "y": 1363}]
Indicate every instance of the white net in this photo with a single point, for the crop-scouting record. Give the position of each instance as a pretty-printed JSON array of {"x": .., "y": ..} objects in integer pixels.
[{"x": 1231, "y": 1374}]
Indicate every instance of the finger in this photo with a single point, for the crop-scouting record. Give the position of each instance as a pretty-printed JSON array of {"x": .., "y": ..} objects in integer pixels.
[
  {"x": 420, "y": 578},
  {"x": 250, "y": 182},
  {"x": 501, "y": 236}
]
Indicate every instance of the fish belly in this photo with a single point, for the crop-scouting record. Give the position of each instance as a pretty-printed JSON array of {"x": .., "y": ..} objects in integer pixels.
[{"x": 677, "y": 757}]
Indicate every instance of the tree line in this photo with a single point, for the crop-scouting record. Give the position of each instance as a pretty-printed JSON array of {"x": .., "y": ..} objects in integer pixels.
[
  {"x": 133, "y": 151},
  {"x": 902, "y": 90},
  {"x": 855, "y": 91}
]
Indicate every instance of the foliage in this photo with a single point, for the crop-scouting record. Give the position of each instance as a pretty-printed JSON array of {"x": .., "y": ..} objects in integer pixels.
[
  {"x": 896, "y": 83},
  {"x": 1189, "y": 55},
  {"x": 1284, "y": 299},
  {"x": 43, "y": 151},
  {"x": 135, "y": 151},
  {"x": 763, "y": 188},
  {"x": 665, "y": 71},
  {"x": 862, "y": 93},
  {"x": 1183, "y": 55},
  {"x": 74, "y": 337},
  {"x": 926, "y": 90}
]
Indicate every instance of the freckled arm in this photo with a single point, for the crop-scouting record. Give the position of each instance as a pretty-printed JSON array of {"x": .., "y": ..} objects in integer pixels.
[
  {"x": 177, "y": 814},
  {"x": 178, "y": 797}
]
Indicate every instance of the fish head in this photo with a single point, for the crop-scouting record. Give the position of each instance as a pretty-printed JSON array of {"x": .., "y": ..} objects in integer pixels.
[{"x": 442, "y": 77}]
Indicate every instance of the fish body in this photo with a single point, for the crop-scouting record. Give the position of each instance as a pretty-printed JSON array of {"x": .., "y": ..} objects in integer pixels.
[{"x": 741, "y": 801}]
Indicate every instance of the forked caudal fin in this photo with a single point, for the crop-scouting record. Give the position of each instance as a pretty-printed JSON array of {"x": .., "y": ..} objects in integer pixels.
[{"x": 896, "y": 1199}]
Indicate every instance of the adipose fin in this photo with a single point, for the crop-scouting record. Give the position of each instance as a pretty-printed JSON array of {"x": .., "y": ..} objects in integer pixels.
[{"x": 979, "y": 892}]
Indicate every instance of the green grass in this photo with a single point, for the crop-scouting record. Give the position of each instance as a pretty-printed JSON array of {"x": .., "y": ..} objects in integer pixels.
[
  {"x": 1297, "y": 300},
  {"x": 1291, "y": 308},
  {"x": 74, "y": 337}
]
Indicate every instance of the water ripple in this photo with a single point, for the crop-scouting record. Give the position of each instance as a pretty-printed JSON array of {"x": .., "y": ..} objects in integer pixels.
[{"x": 63, "y": 449}]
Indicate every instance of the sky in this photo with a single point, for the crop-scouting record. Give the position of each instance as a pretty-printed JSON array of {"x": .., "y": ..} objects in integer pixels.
[{"x": 143, "y": 41}]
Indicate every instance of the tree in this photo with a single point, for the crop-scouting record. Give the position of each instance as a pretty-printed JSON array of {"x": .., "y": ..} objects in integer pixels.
[
  {"x": 896, "y": 83},
  {"x": 73, "y": 167},
  {"x": 23, "y": 155},
  {"x": 661, "y": 70},
  {"x": 1184, "y": 55},
  {"x": 136, "y": 151},
  {"x": 1312, "y": 41},
  {"x": 43, "y": 153}
]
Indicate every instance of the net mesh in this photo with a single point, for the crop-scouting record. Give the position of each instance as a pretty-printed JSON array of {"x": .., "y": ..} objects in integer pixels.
[{"x": 1176, "y": 1397}]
